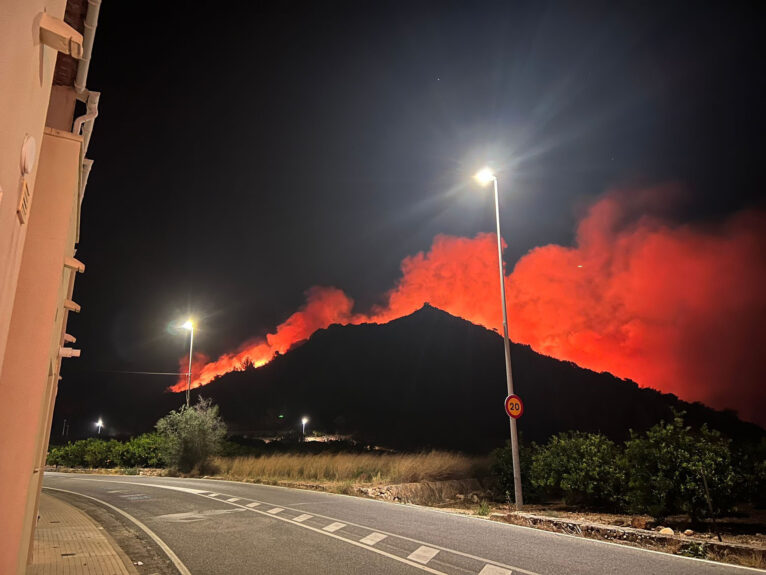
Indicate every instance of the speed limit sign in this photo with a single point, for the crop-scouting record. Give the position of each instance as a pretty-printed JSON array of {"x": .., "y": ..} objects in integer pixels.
[{"x": 514, "y": 407}]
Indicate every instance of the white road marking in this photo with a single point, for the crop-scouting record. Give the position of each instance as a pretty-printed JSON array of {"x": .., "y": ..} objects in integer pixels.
[
  {"x": 492, "y": 570},
  {"x": 333, "y": 527},
  {"x": 232, "y": 499},
  {"x": 373, "y": 538},
  {"x": 275, "y": 510},
  {"x": 302, "y": 518},
  {"x": 182, "y": 569},
  {"x": 212, "y": 494},
  {"x": 380, "y": 551},
  {"x": 190, "y": 516},
  {"x": 423, "y": 554},
  {"x": 253, "y": 504}
]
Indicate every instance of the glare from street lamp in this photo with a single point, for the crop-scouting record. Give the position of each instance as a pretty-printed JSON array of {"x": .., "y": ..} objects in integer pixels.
[
  {"x": 305, "y": 420},
  {"x": 100, "y": 423},
  {"x": 188, "y": 325},
  {"x": 485, "y": 176}
]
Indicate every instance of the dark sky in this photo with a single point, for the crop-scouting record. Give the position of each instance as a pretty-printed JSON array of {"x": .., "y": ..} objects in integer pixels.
[{"x": 249, "y": 150}]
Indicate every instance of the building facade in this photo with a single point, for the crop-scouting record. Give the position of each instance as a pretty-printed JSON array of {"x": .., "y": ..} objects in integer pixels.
[{"x": 46, "y": 119}]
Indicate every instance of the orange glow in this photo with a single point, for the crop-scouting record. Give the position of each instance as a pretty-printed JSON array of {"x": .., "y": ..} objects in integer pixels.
[{"x": 676, "y": 308}]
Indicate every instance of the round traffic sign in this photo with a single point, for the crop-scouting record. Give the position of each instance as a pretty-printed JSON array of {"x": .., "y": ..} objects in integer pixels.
[{"x": 514, "y": 407}]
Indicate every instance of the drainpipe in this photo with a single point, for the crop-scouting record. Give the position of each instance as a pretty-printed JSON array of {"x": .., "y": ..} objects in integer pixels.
[
  {"x": 85, "y": 122},
  {"x": 91, "y": 21}
]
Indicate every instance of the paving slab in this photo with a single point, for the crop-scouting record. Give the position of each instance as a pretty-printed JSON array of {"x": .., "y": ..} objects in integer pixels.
[{"x": 68, "y": 542}]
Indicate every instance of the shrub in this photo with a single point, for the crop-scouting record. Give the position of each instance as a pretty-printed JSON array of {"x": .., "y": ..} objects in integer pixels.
[
  {"x": 502, "y": 467},
  {"x": 191, "y": 435},
  {"x": 583, "y": 467},
  {"x": 142, "y": 451},
  {"x": 668, "y": 468}
]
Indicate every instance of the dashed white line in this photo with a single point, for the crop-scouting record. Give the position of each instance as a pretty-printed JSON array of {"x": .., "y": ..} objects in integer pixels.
[
  {"x": 494, "y": 570},
  {"x": 253, "y": 504},
  {"x": 232, "y": 499},
  {"x": 423, "y": 554},
  {"x": 303, "y": 517},
  {"x": 275, "y": 510},
  {"x": 333, "y": 527},
  {"x": 373, "y": 538},
  {"x": 212, "y": 494}
]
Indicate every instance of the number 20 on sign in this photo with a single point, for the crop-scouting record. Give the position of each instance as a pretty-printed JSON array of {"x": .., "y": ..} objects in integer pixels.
[{"x": 514, "y": 407}]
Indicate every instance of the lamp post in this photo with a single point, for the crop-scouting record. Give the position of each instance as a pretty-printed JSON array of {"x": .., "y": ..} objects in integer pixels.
[
  {"x": 190, "y": 326},
  {"x": 304, "y": 421},
  {"x": 485, "y": 176},
  {"x": 99, "y": 424}
]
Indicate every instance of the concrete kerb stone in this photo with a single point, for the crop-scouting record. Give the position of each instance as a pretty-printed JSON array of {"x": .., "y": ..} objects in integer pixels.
[{"x": 679, "y": 544}]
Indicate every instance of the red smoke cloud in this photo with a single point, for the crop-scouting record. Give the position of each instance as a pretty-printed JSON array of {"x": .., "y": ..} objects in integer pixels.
[{"x": 676, "y": 308}]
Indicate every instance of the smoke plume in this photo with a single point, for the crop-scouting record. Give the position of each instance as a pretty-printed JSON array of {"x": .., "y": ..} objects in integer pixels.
[{"x": 678, "y": 308}]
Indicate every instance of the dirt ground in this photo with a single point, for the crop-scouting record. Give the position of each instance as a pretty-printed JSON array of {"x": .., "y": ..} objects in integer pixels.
[{"x": 748, "y": 527}]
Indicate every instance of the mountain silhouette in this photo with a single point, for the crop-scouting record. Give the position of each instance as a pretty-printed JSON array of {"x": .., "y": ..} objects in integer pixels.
[{"x": 432, "y": 380}]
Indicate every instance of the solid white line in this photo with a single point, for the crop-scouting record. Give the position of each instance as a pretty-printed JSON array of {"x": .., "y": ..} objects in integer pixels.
[
  {"x": 253, "y": 504},
  {"x": 212, "y": 494},
  {"x": 373, "y": 538},
  {"x": 302, "y": 518},
  {"x": 232, "y": 499},
  {"x": 423, "y": 554},
  {"x": 351, "y": 542},
  {"x": 182, "y": 569},
  {"x": 509, "y": 526},
  {"x": 275, "y": 510},
  {"x": 492, "y": 570},
  {"x": 456, "y": 552},
  {"x": 333, "y": 527}
]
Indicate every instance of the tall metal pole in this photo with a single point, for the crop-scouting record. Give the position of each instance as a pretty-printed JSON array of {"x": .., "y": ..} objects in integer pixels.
[
  {"x": 508, "y": 373},
  {"x": 188, "y": 375}
]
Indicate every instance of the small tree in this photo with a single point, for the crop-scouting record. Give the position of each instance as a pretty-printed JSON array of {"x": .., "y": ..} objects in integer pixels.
[
  {"x": 502, "y": 466},
  {"x": 669, "y": 467},
  {"x": 583, "y": 467},
  {"x": 191, "y": 435}
]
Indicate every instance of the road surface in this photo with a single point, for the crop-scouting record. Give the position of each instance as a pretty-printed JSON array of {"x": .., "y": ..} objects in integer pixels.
[{"x": 211, "y": 527}]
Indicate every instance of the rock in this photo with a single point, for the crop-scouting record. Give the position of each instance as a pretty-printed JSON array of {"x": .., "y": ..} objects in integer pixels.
[
  {"x": 666, "y": 531},
  {"x": 638, "y": 522},
  {"x": 688, "y": 532},
  {"x": 474, "y": 498}
]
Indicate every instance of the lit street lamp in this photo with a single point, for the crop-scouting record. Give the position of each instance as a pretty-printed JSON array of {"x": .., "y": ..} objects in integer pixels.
[
  {"x": 485, "y": 176},
  {"x": 190, "y": 326},
  {"x": 99, "y": 424},
  {"x": 304, "y": 421}
]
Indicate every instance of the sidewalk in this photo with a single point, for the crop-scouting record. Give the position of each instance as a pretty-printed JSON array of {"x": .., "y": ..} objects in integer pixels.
[{"x": 68, "y": 542}]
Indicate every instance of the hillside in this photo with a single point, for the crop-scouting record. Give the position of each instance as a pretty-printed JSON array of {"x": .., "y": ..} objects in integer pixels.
[{"x": 434, "y": 380}]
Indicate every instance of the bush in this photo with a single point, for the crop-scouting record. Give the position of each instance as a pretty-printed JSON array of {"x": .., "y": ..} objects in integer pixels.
[
  {"x": 143, "y": 451},
  {"x": 582, "y": 467},
  {"x": 668, "y": 467},
  {"x": 502, "y": 466},
  {"x": 191, "y": 435}
]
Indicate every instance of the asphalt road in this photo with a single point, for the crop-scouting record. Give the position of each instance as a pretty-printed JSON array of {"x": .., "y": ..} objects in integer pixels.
[{"x": 220, "y": 527}]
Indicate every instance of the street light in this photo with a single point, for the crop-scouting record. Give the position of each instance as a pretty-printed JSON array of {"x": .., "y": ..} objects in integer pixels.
[
  {"x": 100, "y": 424},
  {"x": 485, "y": 176},
  {"x": 190, "y": 326},
  {"x": 304, "y": 421}
]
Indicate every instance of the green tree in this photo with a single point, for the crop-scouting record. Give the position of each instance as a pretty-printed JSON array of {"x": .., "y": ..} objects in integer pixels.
[
  {"x": 502, "y": 467},
  {"x": 583, "y": 467},
  {"x": 142, "y": 451},
  {"x": 191, "y": 435},
  {"x": 669, "y": 467}
]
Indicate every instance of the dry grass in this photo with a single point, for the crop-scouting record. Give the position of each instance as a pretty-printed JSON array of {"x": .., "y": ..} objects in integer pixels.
[{"x": 354, "y": 467}]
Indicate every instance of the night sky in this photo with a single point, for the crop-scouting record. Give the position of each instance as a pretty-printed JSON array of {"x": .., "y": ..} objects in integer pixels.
[{"x": 247, "y": 151}]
